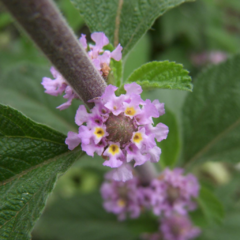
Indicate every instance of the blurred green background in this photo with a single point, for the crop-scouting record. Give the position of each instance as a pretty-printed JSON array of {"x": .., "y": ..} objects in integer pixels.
[{"x": 195, "y": 34}]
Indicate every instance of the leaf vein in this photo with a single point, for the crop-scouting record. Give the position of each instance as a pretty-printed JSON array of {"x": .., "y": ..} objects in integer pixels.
[
  {"x": 213, "y": 141},
  {"x": 117, "y": 22},
  {"x": 30, "y": 169}
]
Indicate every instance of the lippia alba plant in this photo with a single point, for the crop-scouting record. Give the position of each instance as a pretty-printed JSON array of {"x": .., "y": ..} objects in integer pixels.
[{"x": 141, "y": 153}]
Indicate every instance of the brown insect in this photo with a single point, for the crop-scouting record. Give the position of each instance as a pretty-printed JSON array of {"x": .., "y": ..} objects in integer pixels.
[{"x": 105, "y": 70}]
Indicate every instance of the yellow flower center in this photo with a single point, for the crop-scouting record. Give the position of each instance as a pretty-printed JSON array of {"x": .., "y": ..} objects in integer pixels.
[
  {"x": 113, "y": 149},
  {"x": 99, "y": 132},
  {"x": 130, "y": 111},
  {"x": 121, "y": 203},
  {"x": 137, "y": 138}
]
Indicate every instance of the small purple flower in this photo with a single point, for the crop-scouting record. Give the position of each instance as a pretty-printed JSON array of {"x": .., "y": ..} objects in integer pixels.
[
  {"x": 174, "y": 227},
  {"x": 100, "y": 58},
  {"x": 212, "y": 57},
  {"x": 114, "y": 153},
  {"x": 57, "y": 87},
  {"x": 123, "y": 173},
  {"x": 121, "y": 198},
  {"x": 174, "y": 192},
  {"x": 178, "y": 227},
  {"x": 114, "y": 123}
]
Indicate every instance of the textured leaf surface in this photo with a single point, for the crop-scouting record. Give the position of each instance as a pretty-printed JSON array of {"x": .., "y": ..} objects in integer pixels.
[
  {"x": 81, "y": 217},
  {"x": 229, "y": 229},
  {"x": 210, "y": 206},
  {"x": 123, "y": 21},
  {"x": 21, "y": 88},
  {"x": 31, "y": 156},
  {"x": 211, "y": 115},
  {"x": 162, "y": 75}
]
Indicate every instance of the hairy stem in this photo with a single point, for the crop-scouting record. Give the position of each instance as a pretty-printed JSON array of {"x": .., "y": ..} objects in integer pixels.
[
  {"x": 146, "y": 172},
  {"x": 45, "y": 25}
]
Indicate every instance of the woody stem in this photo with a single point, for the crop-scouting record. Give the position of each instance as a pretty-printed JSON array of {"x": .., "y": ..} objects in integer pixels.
[{"x": 45, "y": 25}]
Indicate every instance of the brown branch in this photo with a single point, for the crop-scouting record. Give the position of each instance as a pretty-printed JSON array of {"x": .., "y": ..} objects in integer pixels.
[{"x": 45, "y": 25}]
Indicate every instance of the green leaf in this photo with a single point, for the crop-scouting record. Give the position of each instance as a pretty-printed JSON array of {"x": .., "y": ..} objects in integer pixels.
[
  {"x": 81, "y": 217},
  {"x": 172, "y": 99},
  {"x": 115, "y": 76},
  {"x": 193, "y": 17},
  {"x": 219, "y": 38},
  {"x": 170, "y": 147},
  {"x": 139, "y": 55},
  {"x": 177, "y": 54},
  {"x": 229, "y": 192},
  {"x": 229, "y": 229},
  {"x": 21, "y": 88},
  {"x": 71, "y": 14},
  {"x": 211, "y": 115},
  {"x": 211, "y": 207},
  {"x": 5, "y": 19},
  {"x": 162, "y": 75},
  {"x": 124, "y": 22},
  {"x": 31, "y": 156}
]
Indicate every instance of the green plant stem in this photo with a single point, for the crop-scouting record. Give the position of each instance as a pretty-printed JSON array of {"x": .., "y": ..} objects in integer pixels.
[{"x": 48, "y": 29}]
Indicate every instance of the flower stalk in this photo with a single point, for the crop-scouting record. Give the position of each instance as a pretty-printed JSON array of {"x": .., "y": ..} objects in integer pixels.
[
  {"x": 48, "y": 29},
  {"x": 43, "y": 22},
  {"x": 146, "y": 172}
]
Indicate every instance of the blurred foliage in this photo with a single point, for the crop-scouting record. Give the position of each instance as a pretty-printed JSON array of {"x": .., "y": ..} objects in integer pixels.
[
  {"x": 65, "y": 216},
  {"x": 183, "y": 32},
  {"x": 229, "y": 195},
  {"x": 205, "y": 25},
  {"x": 211, "y": 115},
  {"x": 170, "y": 148}
]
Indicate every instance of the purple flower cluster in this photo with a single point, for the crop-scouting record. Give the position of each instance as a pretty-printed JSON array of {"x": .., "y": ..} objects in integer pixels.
[
  {"x": 173, "y": 192},
  {"x": 100, "y": 58},
  {"x": 174, "y": 227},
  {"x": 178, "y": 227},
  {"x": 58, "y": 86},
  {"x": 120, "y": 129},
  {"x": 170, "y": 197},
  {"x": 122, "y": 198}
]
